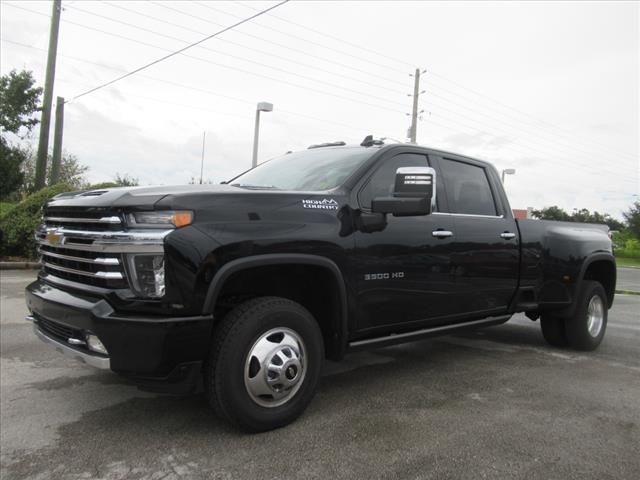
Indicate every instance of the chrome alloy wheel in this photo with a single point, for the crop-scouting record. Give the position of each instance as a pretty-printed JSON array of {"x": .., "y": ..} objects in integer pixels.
[
  {"x": 275, "y": 367},
  {"x": 595, "y": 316}
]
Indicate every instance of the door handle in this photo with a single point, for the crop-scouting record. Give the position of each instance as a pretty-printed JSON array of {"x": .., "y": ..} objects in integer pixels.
[
  {"x": 441, "y": 233},
  {"x": 507, "y": 235}
]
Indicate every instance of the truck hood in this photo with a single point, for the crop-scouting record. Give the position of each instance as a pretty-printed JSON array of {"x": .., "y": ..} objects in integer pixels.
[{"x": 173, "y": 196}]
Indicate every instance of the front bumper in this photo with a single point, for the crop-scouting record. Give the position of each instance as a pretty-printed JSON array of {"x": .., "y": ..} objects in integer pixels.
[{"x": 143, "y": 348}]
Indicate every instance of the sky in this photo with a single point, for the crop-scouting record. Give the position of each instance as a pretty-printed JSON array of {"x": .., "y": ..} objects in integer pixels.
[{"x": 550, "y": 89}]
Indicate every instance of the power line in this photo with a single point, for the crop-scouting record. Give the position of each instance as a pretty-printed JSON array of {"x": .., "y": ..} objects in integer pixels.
[
  {"x": 570, "y": 142},
  {"x": 165, "y": 57},
  {"x": 226, "y": 96},
  {"x": 268, "y": 66},
  {"x": 545, "y": 123},
  {"x": 244, "y": 71},
  {"x": 253, "y": 49},
  {"x": 252, "y": 62},
  {"x": 341, "y": 52},
  {"x": 324, "y": 34},
  {"x": 535, "y": 148},
  {"x": 545, "y": 153},
  {"x": 175, "y": 38},
  {"x": 355, "y": 128},
  {"x": 306, "y": 77},
  {"x": 310, "y": 78},
  {"x": 216, "y": 94},
  {"x": 433, "y": 73},
  {"x": 281, "y": 45},
  {"x": 513, "y": 147},
  {"x": 192, "y": 88},
  {"x": 86, "y": 27},
  {"x": 552, "y": 143}
]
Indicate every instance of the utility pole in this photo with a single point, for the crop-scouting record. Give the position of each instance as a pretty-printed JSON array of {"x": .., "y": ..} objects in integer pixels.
[
  {"x": 45, "y": 121},
  {"x": 202, "y": 159},
  {"x": 413, "y": 130},
  {"x": 57, "y": 141}
]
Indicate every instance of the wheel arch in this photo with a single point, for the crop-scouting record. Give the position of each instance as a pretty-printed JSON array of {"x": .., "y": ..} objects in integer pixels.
[
  {"x": 335, "y": 332},
  {"x": 601, "y": 268}
]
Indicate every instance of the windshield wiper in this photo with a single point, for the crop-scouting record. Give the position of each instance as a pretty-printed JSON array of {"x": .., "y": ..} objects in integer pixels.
[{"x": 255, "y": 187}]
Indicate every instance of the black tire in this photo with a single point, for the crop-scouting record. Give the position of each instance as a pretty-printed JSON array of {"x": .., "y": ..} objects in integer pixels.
[
  {"x": 577, "y": 326},
  {"x": 239, "y": 332},
  {"x": 553, "y": 330}
]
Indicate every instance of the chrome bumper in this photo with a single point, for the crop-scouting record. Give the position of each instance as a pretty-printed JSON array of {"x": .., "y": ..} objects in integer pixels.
[{"x": 93, "y": 360}]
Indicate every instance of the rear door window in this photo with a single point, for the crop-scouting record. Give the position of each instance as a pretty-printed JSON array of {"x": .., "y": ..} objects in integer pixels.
[{"x": 467, "y": 187}]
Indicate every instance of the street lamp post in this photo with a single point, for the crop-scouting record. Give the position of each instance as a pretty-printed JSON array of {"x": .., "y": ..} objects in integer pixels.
[
  {"x": 508, "y": 171},
  {"x": 262, "y": 107}
]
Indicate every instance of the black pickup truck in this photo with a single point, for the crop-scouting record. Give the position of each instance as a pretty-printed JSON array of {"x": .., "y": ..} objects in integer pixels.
[{"x": 248, "y": 286}]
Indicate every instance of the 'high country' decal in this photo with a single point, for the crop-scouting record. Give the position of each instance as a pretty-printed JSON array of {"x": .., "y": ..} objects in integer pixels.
[{"x": 326, "y": 204}]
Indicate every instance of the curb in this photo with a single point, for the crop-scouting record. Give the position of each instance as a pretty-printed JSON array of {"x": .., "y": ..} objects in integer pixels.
[
  {"x": 627, "y": 292},
  {"x": 19, "y": 265}
]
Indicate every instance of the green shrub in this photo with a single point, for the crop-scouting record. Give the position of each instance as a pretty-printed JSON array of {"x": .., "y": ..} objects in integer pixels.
[
  {"x": 631, "y": 249},
  {"x": 19, "y": 222},
  {"x": 5, "y": 207}
]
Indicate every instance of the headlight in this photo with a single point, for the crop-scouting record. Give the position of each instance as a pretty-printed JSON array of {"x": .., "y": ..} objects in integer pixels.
[
  {"x": 160, "y": 219},
  {"x": 147, "y": 274}
]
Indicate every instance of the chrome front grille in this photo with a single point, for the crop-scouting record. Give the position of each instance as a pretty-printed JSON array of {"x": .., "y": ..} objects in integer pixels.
[
  {"x": 96, "y": 219},
  {"x": 89, "y": 246},
  {"x": 94, "y": 268}
]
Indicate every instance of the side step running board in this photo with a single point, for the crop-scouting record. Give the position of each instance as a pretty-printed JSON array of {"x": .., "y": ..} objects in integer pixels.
[{"x": 424, "y": 333}]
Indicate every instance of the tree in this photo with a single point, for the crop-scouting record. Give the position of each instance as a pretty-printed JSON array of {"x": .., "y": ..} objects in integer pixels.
[
  {"x": 632, "y": 216},
  {"x": 551, "y": 213},
  {"x": 71, "y": 172},
  {"x": 578, "y": 215},
  {"x": 11, "y": 174},
  {"x": 614, "y": 225},
  {"x": 19, "y": 101},
  {"x": 125, "y": 180}
]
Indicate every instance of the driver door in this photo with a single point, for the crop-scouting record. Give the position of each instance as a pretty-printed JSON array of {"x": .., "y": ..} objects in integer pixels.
[{"x": 402, "y": 274}]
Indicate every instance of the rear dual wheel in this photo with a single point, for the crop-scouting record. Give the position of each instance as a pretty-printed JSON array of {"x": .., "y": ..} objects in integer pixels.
[
  {"x": 264, "y": 364},
  {"x": 585, "y": 329}
]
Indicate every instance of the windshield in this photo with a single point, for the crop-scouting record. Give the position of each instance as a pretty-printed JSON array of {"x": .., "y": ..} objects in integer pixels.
[{"x": 308, "y": 170}]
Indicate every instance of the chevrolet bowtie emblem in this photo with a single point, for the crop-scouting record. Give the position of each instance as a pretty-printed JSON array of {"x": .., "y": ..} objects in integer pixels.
[{"x": 54, "y": 237}]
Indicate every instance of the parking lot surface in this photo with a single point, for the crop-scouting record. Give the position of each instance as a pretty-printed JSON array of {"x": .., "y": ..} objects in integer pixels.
[
  {"x": 628, "y": 279},
  {"x": 498, "y": 403}
]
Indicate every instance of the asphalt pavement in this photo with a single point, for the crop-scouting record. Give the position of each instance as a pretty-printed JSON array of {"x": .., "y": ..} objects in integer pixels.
[
  {"x": 628, "y": 279},
  {"x": 497, "y": 403}
]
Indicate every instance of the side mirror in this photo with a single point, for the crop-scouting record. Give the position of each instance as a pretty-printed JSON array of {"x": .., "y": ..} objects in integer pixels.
[{"x": 413, "y": 194}]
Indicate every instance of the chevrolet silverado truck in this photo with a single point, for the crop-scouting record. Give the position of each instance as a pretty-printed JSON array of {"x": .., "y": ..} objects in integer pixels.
[{"x": 247, "y": 287}]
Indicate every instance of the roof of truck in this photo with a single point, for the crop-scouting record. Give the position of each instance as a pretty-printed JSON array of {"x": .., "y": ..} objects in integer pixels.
[{"x": 336, "y": 146}]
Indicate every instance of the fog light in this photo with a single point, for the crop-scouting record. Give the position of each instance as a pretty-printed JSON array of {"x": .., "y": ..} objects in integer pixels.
[{"x": 95, "y": 344}]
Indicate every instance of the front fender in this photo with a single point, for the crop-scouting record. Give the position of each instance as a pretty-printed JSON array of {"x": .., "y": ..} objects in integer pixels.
[{"x": 340, "y": 325}]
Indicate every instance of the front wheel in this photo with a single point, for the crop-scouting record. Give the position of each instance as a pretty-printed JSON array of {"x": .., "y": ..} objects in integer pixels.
[{"x": 264, "y": 363}]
